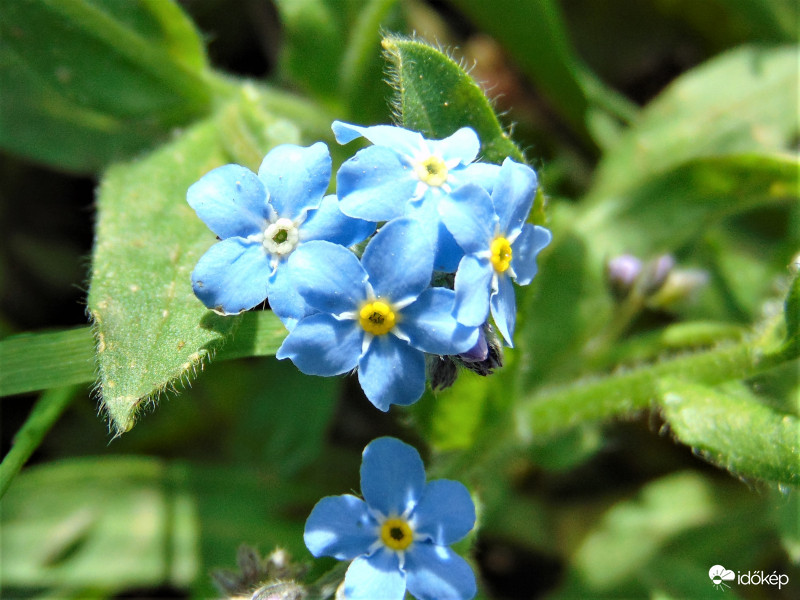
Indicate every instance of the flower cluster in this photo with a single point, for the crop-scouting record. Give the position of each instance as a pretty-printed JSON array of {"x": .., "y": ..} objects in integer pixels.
[
  {"x": 446, "y": 236},
  {"x": 398, "y": 536}
]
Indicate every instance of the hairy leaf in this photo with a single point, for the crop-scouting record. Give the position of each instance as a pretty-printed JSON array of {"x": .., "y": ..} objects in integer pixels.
[
  {"x": 435, "y": 96},
  {"x": 734, "y": 431}
]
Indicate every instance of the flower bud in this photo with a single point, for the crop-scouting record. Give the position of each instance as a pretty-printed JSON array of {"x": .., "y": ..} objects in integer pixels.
[{"x": 621, "y": 273}]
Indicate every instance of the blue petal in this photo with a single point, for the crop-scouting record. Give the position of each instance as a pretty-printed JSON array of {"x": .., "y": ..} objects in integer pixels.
[
  {"x": 448, "y": 252},
  {"x": 513, "y": 195},
  {"x": 231, "y": 200},
  {"x": 524, "y": 250},
  {"x": 430, "y": 326},
  {"x": 284, "y": 300},
  {"x": 392, "y": 476},
  {"x": 341, "y": 527},
  {"x": 504, "y": 309},
  {"x": 232, "y": 276},
  {"x": 473, "y": 286},
  {"x": 330, "y": 224},
  {"x": 463, "y": 144},
  {"x": 391, "y": 372},
  {"x": 296, "y": 177},
  {"x": 320, "y": 344},
  {"x": 328, "y": 277},
  {"x": 445, "y": 513},
  {"x": 482, "y": 174},
  {"x": 468, "y": 213},
  {"x": 399, "y": 260},
  {"x": 438, "y": 573},
  {"x": 403, "y": 141},
  {"x": 375, "y": 185},
  {"x": 376, "y": 577}
]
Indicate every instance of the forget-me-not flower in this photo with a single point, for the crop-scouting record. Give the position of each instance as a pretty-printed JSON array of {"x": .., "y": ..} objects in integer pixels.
[
  {"x": 261, "y": 219},
  {"x": 379, "y": 314},
  {"x": 404, "y": 173},
  {"x": 398, "y": 536},
  {"x": 498, "y": 245}
]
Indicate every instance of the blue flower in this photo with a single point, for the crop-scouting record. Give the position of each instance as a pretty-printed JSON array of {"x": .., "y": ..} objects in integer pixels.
[
  {"x": 398, "y": 536},
  {"x": 261, "y": 219},
  {"x": 403, "y": 173},
  {"x": 379, "y": 315},
  {"x": 498, "y": 245}
]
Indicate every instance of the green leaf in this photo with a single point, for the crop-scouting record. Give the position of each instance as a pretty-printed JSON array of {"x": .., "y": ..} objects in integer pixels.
[
  {"x": 88, "y": 82},
  {"x": 734, "y": 431},
  {"x": 159, "y": 524},
  {"x": 743, "y": 101},
  {"x": 435, "y": 96},
  {"x": 669, "y": 209},
  {"x": 150, "y": 328},
  {"x": 152, "y": 333},
  {"x": 40, "y": 361}
]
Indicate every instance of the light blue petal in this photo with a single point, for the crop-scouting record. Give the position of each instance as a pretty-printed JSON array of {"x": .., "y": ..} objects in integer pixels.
[
  {"x": 283, "y": 298},
  {"x": 330, "y": 224},
  {"x": 473, "y": 286},
  {"x": 437, "y": 573},
  {"x": 513, "y": 195},
  {"x": 463, "y": 144},
  {"x": 430, "y": 326},
  {"x": 341, "y": 527},
  {"x": 468, "y": 213},
  {"x": 328, "y": 277},
  {"x": 392, "y": 476},
  {"x": 232, "y": 276},
  {"x": 296, "y": 177},
  {"x": 375, "y": 185},
  {"x": 445, "y": 513},
  {"x": 399, "y": 260},
  {"x": 524, "y": 250},
  {"x": 402, "y": 141},
  {"x": 504, "y": 309},
  {"x": 448, "y": 252},
  {"x": 482, "y": 174},
  {"x": 322, "y": 345},
  {"x": 391, "y": 372},
  {"x": 231, "y": 200},
  {"x": 376, "y": 577}
]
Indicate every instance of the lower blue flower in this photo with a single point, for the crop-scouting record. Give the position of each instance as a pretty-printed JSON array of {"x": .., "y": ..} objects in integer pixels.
[
  {"x": 398, "y": 536},
  {"x": 379, "y": 315}
]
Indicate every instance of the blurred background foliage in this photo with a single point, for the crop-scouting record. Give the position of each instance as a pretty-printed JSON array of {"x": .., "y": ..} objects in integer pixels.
[{"x": 657, "y": 127}]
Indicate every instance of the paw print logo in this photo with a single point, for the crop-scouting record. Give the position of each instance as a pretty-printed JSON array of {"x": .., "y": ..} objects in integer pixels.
[{"x": 719, "y": 575}]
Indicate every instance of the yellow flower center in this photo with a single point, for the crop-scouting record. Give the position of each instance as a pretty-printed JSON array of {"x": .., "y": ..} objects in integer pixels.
[
  {"x": 376, "y": 317},
  {"x": 396, "y": 534},
  {"x": 501, "y": 254},
  {"x": 432, "y": 171}
]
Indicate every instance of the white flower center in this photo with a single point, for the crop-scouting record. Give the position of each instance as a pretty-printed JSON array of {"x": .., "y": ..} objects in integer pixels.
[{"x": 281, "y": 237}]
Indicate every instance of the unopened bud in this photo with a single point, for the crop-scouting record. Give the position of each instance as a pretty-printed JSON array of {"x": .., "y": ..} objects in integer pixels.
[
  {"x": 680, "y": 286},
  {"x": 621, "y": 272},
  {"x": 494, "y": 355}
]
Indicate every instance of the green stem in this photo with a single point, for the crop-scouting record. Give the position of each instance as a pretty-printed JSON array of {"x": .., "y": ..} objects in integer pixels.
[
  {"x": 363, "y": 46},
  {"x": 551, "y": 411},
  {"x": 45, "y": 413}
]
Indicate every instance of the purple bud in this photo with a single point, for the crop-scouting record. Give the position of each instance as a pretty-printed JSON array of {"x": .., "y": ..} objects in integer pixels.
[
  {"x": 478, "y": 352},
  {"x": 621, "y": 272}
]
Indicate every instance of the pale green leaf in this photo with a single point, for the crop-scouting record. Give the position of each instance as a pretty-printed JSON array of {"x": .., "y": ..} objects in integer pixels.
[{"x": 743, "y": 101}]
